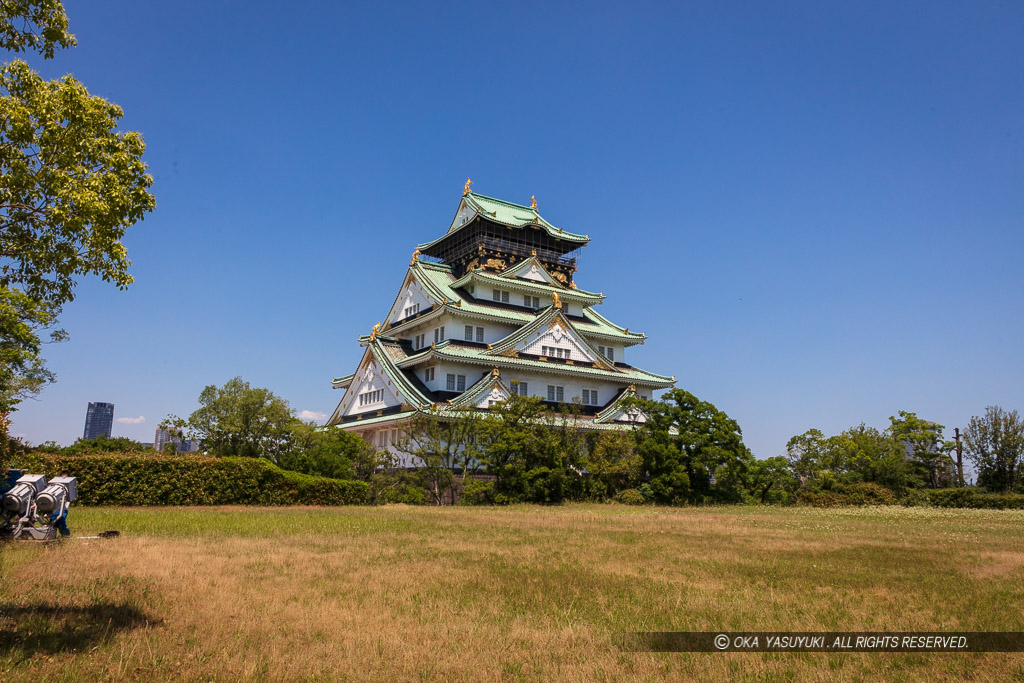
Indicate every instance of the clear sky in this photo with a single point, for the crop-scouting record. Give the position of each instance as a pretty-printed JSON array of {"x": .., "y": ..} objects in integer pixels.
[{"x": 814, "y": 210}]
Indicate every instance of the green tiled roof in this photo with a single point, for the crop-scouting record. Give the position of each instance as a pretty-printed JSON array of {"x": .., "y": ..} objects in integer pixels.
[
  {"x": 440, "y": 278},
  {"x": 507, "y": 213},
  {"x": 474, "y": 394},
  {"x": 577, "y": 295},
  {"x": 447, "y": 350},
  {"x": 545, "y": 318}
]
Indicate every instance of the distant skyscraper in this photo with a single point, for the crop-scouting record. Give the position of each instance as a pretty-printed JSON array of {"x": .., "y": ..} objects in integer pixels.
[
  {"x": 98, "y": 420},
  {"x": 165, "y": 435}
]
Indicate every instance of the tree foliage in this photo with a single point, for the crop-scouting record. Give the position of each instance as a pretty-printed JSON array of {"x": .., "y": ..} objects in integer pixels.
[
  {"x": 37, "y": 25},
  {"x": 692, "y": 451},
  {"x": 994, "y": 442},
  {"x": 239, "y": 419},
  {"x": 72, "y": 185},
  {"x": 23, "y": 371},
  {"x": 445, "y": 448}
]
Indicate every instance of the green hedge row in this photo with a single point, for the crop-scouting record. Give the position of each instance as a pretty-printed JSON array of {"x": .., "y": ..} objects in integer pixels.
[
  {"x": 190, "y": 480},
  {"x": 872, "y": 494},
  {"x": 967, "y": 498}
]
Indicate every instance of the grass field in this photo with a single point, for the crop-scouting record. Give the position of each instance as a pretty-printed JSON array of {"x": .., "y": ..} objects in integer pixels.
[{"x": 521, "y": 593}]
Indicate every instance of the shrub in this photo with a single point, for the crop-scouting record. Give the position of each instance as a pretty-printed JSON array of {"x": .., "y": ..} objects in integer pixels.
[
  {"x": 477, "y": 493},
  {"x": 864, "y": 493},
  {"x": 408, "y": 494},
  {"x": 970, "y": 498},
  {"x": 630, "y": 497},
  {"x": 191, "y": 480}
]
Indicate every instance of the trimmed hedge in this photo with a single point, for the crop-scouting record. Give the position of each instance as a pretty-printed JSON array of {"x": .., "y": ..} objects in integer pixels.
[
  {"x": 968, "y": 498},
  {"x": 190, "y": 480}
]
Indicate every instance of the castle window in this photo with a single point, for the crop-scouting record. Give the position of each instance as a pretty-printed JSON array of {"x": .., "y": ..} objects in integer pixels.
[
  {"x": 556, "y": 393},
  {"x": 499, "y": 295},
  {"x": 450, "y": 382},
  {"x": 469, "y": 333},
  {"x": 531, "y": 301},
  {"x": 412, "y": 310},
  {"x": 460, "y": 383},
  {"x": 480, "y": 334},
  {"x": 428, "y": 375},
  {"x": 439, "y": 334},
  {"x": 590, "y": 397}
]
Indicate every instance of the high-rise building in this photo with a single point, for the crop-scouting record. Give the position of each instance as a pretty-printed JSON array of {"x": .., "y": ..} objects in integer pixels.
[
  {"x": 99, "y": 419},
  {"x": 488, "y": 310}
]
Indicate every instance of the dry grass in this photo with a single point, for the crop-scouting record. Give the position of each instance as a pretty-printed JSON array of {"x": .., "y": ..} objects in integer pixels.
[{"x": 521, "y": 593}]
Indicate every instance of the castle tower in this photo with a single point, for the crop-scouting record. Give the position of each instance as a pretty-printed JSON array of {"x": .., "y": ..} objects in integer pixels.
[{"x": 487, "y": 310}]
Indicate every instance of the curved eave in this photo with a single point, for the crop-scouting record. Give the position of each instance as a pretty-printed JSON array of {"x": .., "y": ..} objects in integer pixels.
[
  {"x": 573, "y": 295},
  {"x": 632, "y": 376},
  {"x": 342, "y": 382}
]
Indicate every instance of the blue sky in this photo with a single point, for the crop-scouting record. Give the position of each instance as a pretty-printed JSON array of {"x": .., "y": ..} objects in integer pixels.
[{"x": 812, "y": 209}]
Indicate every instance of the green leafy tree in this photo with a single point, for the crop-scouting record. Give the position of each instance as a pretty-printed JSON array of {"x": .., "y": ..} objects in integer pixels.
[
  {"x": 611, "y": 463},
  {"x": 446, "y": 449},
  {"x": 772, "y": 480},
  {"x": 994, "y": 442},
  {"x": 536, "y": 454},
  {"x": 692, "y": 451},
  {"x": 37, "y": 25},
  {"x": 327, "y": 452},
  {"x": 924, "y": 444},
  {"x": 23, "y": 371},
  {"x": 239, "y": 419},
  {"x": 70, "y": 185}
]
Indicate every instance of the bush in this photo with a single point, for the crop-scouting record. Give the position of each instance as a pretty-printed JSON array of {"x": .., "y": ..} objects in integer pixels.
[
  {"x": 408, "y": 494},
  {"x": 630, "y": 497},
  {"x": 477, "y": 493},
  {"x": 190, "y": 480},
  {"x": 969, "y": 498},
  {"x": 864, "y": 493}
]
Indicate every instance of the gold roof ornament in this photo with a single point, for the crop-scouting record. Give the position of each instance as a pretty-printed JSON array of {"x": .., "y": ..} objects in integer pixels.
[
  {"x": 375, "y": 331},
  {"x": 415, "y": 256},
  {"x": 533, "y": 203},
  {"x": 632, "y": 387},
  {"x": 533, "y": 252},
  {"x": 465, "y": 189},
  {"x": 495, "y": 373},
  {"x": 558, "y": 300},
  {"x": 573, "y": 285}
]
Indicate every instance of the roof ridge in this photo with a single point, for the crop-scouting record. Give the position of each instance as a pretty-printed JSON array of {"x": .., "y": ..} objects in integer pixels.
[{"x": 503, "y": 201}]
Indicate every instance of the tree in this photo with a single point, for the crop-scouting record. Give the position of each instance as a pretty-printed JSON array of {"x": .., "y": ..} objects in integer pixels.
[
  {"x": 39, "y": 25},
  {"x": 238, "y": 419},
  {"x": 327, "y": 452},
  {"x": 692, "y": 451},
  {"x": 72, "y": 185},
  {"x": 995, "y": 444},
  {"x": 924, "y": 443},
  {"x": 535, "y": 454},
  {"x": 772, "y": 480},
  {"x": 445, "y": 446},
  {"x": 23, "y": 372}
]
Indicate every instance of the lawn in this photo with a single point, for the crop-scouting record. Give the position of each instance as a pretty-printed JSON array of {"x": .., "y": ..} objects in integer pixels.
[{"x": 520, "y": 593}]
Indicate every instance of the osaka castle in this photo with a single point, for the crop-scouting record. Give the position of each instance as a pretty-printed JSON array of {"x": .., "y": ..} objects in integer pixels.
[{"x": 490, "y": 309}]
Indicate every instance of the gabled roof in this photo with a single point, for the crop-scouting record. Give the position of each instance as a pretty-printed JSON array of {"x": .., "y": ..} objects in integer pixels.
[
  {"x": 386, "y": 352},
  {"x": 546, "y": 319},
  {"x": 454, "y": 351},
  {"x": 530, "y": 268},
  {"x": 614, "y": 410},
  {"x": 440, "y": 276},
  {"x": 489, "y": 385},
  {"x": 505, "y": 213}
]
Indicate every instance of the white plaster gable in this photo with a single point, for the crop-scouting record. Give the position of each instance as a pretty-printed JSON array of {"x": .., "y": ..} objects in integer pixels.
[
  {"x": 558, "y": 336},
  {"x": 531, "y": 269},
  {"x": 410, "y": 295},
  {"x": 463, "y": 216},
  {"x": 631, "y": 416},
  {"x": 495, "y": 395},
  {"x": 368, "y": 379}
]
